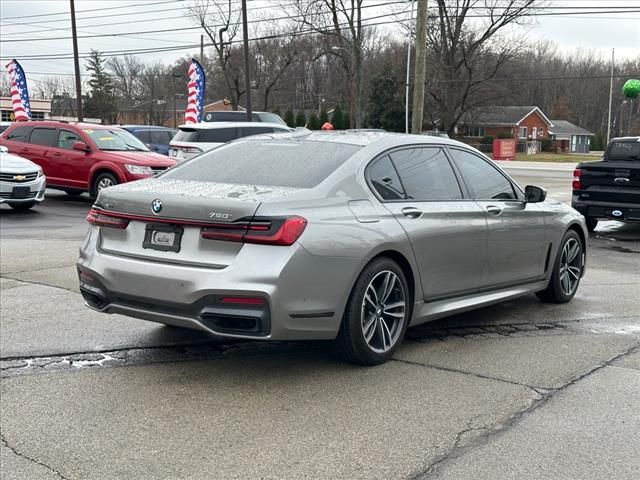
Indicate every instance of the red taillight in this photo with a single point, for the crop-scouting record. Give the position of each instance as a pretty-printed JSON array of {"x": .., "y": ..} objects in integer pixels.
[
  {"x": 96, "y": 218},
  {"x": 242, "y": 300},
  {"x": 267, "y": 231},
  {"x": 577, "y": 173}
]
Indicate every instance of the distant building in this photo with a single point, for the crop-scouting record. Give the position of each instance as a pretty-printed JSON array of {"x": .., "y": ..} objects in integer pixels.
[
  {"x": 526, "y": 123},
  {"x": 567, "y": 137},
  {"x": 40, "y": 109}
]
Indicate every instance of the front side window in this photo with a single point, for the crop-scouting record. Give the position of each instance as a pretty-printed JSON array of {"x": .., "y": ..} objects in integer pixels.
[
  {"x": 483, "y": 180},
  {"x": 19, "y": 134},
  {"x": 66, "y": 139},
  {"x": 143, "y": 135},
  {"x": 426, "y": 174},
  {"x": 43, "y": 136}
]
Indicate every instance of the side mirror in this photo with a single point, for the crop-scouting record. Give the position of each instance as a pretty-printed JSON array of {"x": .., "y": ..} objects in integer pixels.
[
  {"x": 533, "y": 194},
  {"x": 81, "y": 146}
]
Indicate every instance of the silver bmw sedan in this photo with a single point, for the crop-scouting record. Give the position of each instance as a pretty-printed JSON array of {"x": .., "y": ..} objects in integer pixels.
[{"x": 344, "y": 236}]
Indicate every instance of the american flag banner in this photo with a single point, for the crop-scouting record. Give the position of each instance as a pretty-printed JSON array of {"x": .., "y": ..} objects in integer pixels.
[
  {"x": 195, "y": 100},
  {"x": 19, "y": 91}
]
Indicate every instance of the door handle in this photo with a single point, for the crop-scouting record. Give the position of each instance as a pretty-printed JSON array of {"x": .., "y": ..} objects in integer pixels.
[
  {"x": 57, "y": 154},
  {"x": 493, "y": 210},
  {"x": 25, "y": 149},
  {"x": 411, "y": 212}
]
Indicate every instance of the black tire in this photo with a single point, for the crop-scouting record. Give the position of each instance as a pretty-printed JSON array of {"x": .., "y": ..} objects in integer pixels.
[
  {"x": 591, "y": 223},
  {"x": 350, "y": 341},
  {"x": 73, "y": 192},
  {"x": 100, "y": 181},
  {"x": 557, "y": 291},
  {"x": 22, "y": 207}
]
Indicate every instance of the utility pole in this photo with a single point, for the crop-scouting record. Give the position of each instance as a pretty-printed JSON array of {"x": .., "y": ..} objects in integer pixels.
[
  {"x": 613, "y": 50},
  {"x": 202, "y": 50},
  {"x": 406, "y": 85},
  {"x": 247, "y": 76},
  {"x": 76, "y": 62},
  {"x": 421, "y": 60}
]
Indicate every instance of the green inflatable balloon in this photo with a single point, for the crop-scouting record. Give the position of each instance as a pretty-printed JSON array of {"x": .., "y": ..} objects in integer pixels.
[{"x": 631, "y": 88}]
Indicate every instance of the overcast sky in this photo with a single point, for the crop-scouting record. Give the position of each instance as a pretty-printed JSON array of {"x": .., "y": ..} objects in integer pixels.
[{"x": 600, "y": 32}]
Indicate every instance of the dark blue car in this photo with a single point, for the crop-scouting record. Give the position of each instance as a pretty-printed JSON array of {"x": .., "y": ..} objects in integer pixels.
[{"x": 156, "y": 138}]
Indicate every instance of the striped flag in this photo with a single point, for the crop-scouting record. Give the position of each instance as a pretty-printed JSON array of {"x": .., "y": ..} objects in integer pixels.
[
  {"x": 19, "y": 91},
  {"x": 195, "y": 100}
]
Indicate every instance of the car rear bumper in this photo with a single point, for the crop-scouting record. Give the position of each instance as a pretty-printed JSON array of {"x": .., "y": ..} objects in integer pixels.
[
  {"x": 624, "y": 212},
  {"x": 304, "y": 295},
  {"x": 8, "y": 192}
]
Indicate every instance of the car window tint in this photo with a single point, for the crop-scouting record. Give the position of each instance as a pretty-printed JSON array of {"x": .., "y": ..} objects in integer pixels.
[
  {"x": 483, "y": 180},
  {"x": 623, "y": 151},
  {"x": 426, "y": 174},
  {"x": 19, "y": 134},
  {"x": 44, "y": 136},
  {"x": 143, "y": 135},
  {"x": 282, "y": 163},
  {"x": 158, "y": 137},
  {"x": 218, "y": 135},
  {"x": 247, "y": 131},
  {"x": 66, "y": 139},
  {"x": 384, "y": 179}
]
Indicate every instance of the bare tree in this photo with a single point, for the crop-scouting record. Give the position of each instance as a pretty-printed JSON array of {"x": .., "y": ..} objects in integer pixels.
[
  {"x": 219, "y": 20},
  {"x": 340, "y": 23},
  {"x": 127, "y": 72},
  {"x": 465, "y": 55}
]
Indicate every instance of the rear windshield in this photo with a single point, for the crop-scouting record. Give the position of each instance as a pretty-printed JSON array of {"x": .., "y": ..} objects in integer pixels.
[
  {"x": 624, "y": 151},
  {"x": 277, "y": 163}
]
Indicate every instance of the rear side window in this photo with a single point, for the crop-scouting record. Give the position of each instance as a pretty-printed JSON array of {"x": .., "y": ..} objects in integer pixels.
[
  {"x": 247, "y": 131},
  {"x": 218, "y": 135},
  {"x": 162, "y": 137},
  {"x": 142, "y": 135},
  {"x": 44, "y": 136},
  {"x": 483, "y": 180},
  {"x": 426, "y": 174},
  {"x": 624, "y": 151},
  {"x": 66, "y": 139},
  {"x": 384, "y": 178},
  {"x": 281, "y": 163},
  {"x": 19, "y": 134}
]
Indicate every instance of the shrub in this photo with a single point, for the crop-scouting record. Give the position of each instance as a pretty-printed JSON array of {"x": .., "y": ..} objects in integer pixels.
[
  {"x": 504, "y": 135},
  {"x": 487, "y": 140}
]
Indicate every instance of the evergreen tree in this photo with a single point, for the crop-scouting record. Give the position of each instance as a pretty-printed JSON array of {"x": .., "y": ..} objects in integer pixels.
[
  {"x": 289, "y": 119},
  {"x": 324, "y": 117},
  {"x": 386, "y": 109},
  {"x": 101, "y": 101},
  {"x": 301, "y": 119},
  {"x": 314, "y": 122},
  {"x": 337, "y": 119}
]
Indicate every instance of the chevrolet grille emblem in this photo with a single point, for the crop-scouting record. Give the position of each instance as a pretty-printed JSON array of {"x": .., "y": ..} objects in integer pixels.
[{"x": 19, "y": 178}]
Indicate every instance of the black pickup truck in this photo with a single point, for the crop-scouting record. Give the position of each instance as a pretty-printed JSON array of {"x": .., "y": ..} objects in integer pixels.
[{"x": 610, "y": 188}]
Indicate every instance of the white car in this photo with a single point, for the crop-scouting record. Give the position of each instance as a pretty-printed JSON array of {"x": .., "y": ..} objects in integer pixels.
[
  {"x": 22, "y": 182},
  {"x": 195, "y": 138}
]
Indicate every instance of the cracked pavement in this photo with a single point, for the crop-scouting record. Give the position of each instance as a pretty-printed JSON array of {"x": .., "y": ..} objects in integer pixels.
[{"x": 521, "y": 390}]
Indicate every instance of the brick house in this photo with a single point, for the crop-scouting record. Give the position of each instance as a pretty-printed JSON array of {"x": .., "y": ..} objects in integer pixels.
[{"x": 525, "y": 123}]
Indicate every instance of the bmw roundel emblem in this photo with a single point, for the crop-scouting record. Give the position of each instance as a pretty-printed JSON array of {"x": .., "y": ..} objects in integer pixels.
[
  {"x": 616, "y": 213},
  {"x": 156, "y": 206}
]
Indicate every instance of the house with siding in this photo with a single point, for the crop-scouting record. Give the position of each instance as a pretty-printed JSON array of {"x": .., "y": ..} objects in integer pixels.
[{"x": 567, "y": 137}]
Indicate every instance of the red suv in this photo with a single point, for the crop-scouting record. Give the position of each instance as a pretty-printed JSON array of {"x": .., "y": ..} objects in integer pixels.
[{"x": 83, "y": 157}]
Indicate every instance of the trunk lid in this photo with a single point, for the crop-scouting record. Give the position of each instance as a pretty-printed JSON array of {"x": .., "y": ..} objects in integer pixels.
[{"x": 166, "y": 219}]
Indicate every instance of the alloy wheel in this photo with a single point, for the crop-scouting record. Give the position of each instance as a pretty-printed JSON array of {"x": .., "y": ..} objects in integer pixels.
[
  {"x": 570, "y": 266},
  {"x": 104, "y": 183},
  {"x": 383, "y": 311}
]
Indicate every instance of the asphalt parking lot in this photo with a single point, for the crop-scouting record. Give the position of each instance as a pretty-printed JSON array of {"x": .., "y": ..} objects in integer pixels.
[{"x": 520, "y": 390}]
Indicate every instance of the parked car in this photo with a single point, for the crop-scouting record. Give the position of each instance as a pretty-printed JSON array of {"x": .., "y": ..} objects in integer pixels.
[
  {"x": 83, "y": 157},
  {"x": 239, "y": 116},
  {"x": 436, "y": 133},
  {"x": 22, "y": 182},
  {"x": 610, "y": 188},
  {"x": 328, "y": 235},
  {"x": 157, "y": 139},
  {"x": 195, "y": 138}
]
